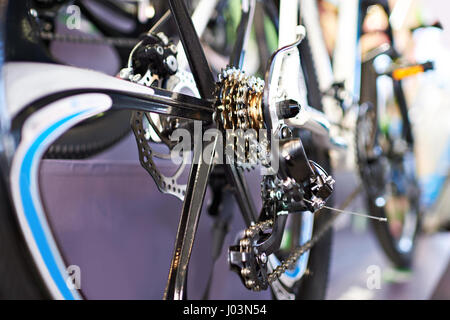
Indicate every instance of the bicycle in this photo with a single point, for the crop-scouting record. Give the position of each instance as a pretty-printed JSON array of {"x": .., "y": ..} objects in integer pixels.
[
  {"x": 33, "y": 120},
  {"x": 384, "y": 158}
]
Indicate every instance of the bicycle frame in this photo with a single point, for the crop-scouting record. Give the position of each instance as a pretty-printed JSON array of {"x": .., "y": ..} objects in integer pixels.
[
  {"x": 346, "y": 67},
  {"x": 33, "y": 120}
]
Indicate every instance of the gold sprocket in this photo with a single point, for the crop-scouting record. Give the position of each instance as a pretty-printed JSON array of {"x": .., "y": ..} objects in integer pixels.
[{"x": 238, "y": 109}]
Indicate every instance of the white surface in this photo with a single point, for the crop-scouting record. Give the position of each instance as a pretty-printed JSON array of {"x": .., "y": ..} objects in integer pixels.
[{"x": 26, "y": 82}]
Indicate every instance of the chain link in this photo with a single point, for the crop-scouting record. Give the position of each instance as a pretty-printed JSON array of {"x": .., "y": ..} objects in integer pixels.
[
  {"x": 117, "y": 42},
  {"x": 289, "y": 262}
]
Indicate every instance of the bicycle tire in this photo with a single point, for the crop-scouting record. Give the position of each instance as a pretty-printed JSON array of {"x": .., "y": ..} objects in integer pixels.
[
  {"x": 86, "y": 139},
  {"x": 400, "y": 259},
  {"x": 91, "y": 137}
]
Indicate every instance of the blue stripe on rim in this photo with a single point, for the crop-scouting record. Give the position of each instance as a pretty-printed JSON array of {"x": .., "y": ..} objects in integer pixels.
[{"x": 29, "y": 163}]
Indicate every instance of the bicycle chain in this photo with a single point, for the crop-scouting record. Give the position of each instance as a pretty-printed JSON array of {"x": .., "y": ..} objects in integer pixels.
[
  {"x": 117, "y": 42},
  {"x": 251, "y": 232}
]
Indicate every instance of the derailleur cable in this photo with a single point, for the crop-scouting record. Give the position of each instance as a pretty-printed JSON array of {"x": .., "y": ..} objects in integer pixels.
[{"x": 296, "y": 253}]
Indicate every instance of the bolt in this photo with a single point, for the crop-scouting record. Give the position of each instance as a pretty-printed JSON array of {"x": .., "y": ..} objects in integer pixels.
[
  {"x": 249, "y": 283},
  {"x": 245, "y": 272},
  {"x": 172, "y": 63},
  {"x": 173, "y": 48},
  {"x": 286, "y": 132},
  {"x": 287, "y": 109}
]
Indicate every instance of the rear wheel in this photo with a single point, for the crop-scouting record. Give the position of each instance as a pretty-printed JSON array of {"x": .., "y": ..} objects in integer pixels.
[
  {"x": 91, "y": 137},
  {"x": 387, "y": 167}
]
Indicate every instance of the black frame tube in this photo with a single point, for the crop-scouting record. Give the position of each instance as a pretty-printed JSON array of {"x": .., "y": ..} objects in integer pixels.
[
  {"x": 200, "y": 170},
  {"x": 193, "y": 49}
]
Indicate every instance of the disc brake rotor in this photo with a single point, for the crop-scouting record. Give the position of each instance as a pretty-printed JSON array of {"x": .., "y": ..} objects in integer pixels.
[{"x": 151, "y": 130}]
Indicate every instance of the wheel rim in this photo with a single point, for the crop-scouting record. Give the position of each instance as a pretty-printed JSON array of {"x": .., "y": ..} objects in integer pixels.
[
  {"x": 392, "y": 186},
  {"x": 398, "y": 199}
]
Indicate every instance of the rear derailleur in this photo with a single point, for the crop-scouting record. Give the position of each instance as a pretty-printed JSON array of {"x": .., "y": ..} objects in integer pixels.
[{"x": 301, "y": 185}]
